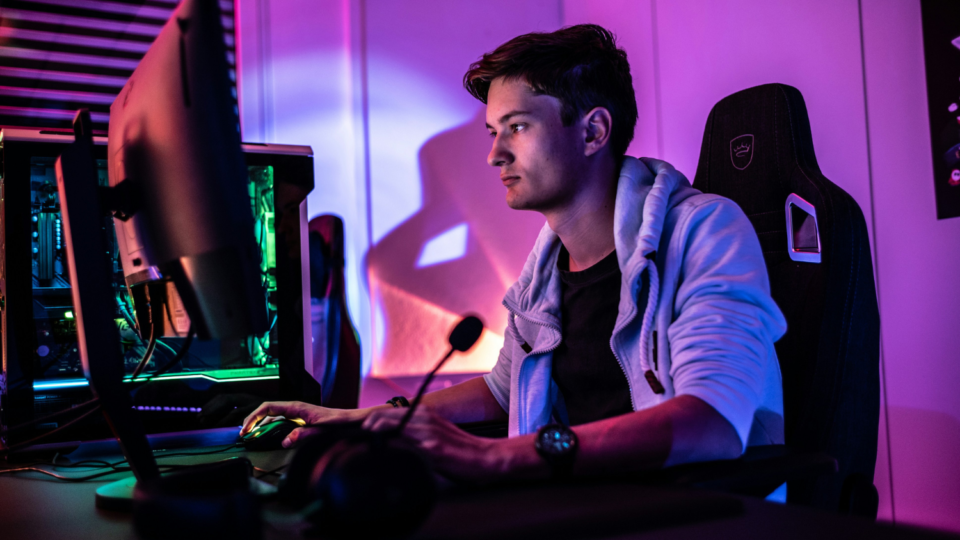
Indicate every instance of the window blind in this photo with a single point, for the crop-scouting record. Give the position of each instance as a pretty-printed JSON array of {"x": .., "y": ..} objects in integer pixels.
[{"x": 57, "y": 56}]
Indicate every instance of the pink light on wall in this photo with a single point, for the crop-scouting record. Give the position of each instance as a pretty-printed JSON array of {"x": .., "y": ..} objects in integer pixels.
[{"x": 428, "y": 175}]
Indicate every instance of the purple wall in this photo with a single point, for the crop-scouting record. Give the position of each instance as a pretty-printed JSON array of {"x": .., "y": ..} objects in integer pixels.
[
  {"x": 917, "y": 260},
  {"x": 374, "y": 86}
]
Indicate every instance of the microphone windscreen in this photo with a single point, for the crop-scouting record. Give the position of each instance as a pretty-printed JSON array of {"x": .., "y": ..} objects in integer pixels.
[{"x": 466, "y": 333}]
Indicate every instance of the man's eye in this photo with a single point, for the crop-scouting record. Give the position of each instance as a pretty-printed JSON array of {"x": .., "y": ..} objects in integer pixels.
[
  {"x": 493, "y": 134},
  {"x": 516, "y": 128}
]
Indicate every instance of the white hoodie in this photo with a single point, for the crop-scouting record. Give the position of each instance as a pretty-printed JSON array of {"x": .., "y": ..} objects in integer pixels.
[{"x": 709, "y": 324}]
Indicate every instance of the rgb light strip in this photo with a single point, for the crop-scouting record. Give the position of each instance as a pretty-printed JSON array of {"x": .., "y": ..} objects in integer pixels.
[{"x": 72, "y": 383}]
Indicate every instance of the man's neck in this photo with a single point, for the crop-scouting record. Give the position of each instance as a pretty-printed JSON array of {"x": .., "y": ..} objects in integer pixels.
[{"x": 585, "y": 226}]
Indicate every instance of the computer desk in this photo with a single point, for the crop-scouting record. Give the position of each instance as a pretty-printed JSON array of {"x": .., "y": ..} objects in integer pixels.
[{"x": 33, "y": 508}]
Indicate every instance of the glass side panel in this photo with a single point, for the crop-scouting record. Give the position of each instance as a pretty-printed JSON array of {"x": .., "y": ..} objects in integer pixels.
[{"x": 57, "y": 360}]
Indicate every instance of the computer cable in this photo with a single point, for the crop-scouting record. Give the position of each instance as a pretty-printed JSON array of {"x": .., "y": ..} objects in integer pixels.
[
  {"x": 20, "y": 446},
  {"x": 124, "y": 308},
  {"x": 271, "y": 472},
  {"x": 91, "y": 464},
  {"x": 148, "y": 353},
  {"x": 204, "y": 453},
  {"x": 113, "y": 470},
  {"x": 64, "y": 478},
  {"x": 176, "y": 359},
  {"x": 178, "y": 356},
  {"x": 169, "y": 349},
  {"x": 166, "y": 367},
  {"x": 114, "y": 467},
  {"x": 104, "y": 464},
  {"x": 173, "y": 353},
  {"x": 100, "y": 464},
  {"x": 176, "y": 454},
  {"x": 52, "y": 415}
]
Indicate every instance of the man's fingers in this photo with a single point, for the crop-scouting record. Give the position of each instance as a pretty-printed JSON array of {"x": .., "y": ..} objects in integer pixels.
[
  {"x": 292, "y": 438},
  {"x": 271, "y": 408}
]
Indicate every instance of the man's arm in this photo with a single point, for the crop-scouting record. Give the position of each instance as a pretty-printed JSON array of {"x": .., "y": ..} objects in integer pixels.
[
  {"x": 469, "y": 401},
  {"x": 680, "y": 430}
]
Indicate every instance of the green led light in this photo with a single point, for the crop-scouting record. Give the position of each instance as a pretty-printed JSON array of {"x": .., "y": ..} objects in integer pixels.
[
  {"x": 204, "y": 376},
  {"x": 68, "y": 315}
]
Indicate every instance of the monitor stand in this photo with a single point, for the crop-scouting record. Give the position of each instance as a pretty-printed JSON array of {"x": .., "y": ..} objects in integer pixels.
[
  {"x": 85, "y": 206},
  {"x": 97, "y": 335},
  {"x": 118, "y": 496}
]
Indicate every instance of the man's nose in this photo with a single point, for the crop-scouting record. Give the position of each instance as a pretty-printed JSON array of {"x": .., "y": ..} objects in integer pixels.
[{"x": 499, "y": 155}]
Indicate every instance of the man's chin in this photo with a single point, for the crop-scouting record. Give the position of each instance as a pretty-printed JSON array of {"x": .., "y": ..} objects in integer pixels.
[{"x": 517, "y": 203}]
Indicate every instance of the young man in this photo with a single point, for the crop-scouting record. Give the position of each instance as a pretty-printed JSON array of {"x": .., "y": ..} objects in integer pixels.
[{"x": 641, "y": 329}]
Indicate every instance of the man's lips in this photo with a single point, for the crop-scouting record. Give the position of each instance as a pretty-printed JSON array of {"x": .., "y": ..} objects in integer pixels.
[{"x": 509, "y": 179}]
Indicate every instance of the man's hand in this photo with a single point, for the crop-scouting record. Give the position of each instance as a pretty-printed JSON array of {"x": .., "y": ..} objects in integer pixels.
[
  {"x": 308, "y": 414},
  {"x": 458, "y": 455},
  {"x": 469, "y": 401}
]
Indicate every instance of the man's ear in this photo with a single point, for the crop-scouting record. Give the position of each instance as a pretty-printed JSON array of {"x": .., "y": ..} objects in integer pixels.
[{"x": 597, "y": 125}]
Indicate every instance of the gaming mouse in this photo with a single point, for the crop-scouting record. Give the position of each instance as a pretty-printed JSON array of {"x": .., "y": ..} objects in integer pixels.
[{"x": 268, "y": 436}]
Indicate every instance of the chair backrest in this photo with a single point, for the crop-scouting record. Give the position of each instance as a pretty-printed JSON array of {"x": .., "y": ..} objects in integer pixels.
[
  {"x": 758, "y": 151},
  {"x": 336, "y": 347}
]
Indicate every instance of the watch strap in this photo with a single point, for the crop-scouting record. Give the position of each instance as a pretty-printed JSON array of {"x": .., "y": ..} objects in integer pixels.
[
  {"x": 399, "y": 402},
  {"x": 560, "y": 457}
]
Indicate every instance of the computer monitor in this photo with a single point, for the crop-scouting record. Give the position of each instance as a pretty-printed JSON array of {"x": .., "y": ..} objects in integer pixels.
[
  {"x": 174, "y": 154},
  {"x": 178, "y": 188}
]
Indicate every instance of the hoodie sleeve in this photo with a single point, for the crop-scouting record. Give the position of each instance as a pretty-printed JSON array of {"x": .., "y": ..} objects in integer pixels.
[
  {"x": 725, "y": 321},
  {"x": 498, "y": 380}
]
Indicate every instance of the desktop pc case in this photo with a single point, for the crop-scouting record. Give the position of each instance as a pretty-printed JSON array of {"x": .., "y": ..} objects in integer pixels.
[{"x": 42, "y": 371}]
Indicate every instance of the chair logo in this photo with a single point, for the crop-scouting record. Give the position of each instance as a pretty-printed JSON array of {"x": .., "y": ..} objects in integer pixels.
[{"x": 741, "y": 151}]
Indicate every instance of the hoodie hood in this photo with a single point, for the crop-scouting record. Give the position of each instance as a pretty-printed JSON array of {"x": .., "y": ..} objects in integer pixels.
[{"x": 646, "y": 190}]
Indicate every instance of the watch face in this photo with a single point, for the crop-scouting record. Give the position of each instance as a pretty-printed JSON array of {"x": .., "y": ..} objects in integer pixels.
[{"x": 557, "y": 440}]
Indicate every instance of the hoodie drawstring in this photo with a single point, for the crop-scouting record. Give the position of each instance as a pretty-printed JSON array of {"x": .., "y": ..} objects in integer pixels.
[{"x": 646, "y": 327}]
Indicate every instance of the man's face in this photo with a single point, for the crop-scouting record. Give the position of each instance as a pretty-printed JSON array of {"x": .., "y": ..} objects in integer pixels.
[{"x": 540, "y": 160}]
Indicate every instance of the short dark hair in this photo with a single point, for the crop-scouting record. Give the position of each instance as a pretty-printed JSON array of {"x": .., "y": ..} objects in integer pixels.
[{"x": 579, "y": 65}]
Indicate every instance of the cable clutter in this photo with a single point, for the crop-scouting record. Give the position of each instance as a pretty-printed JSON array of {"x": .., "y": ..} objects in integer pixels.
[{"x": 112, "y": 468}]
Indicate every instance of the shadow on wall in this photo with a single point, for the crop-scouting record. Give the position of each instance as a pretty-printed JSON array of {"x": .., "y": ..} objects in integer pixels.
[
  {"x": 926, "y": 475},
  {"x": 458, "y": 254}
]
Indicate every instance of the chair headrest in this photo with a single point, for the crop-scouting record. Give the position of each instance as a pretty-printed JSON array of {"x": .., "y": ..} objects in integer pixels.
[
  {"x": 329, "y": 229},
  {"x": 757, "y": 149}
]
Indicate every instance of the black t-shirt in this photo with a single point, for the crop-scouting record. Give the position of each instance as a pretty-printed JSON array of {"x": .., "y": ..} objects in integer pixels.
[{"x": 591, "y": 380}]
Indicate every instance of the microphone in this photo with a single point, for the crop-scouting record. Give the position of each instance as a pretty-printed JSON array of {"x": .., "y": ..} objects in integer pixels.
[{"x": 463, "y": 336}]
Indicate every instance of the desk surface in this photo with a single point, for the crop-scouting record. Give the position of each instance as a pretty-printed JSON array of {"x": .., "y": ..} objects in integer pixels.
[{"x": 32, "y": 508}]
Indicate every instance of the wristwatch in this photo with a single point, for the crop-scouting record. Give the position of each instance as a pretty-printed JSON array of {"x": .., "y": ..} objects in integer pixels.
[
  {"x": 399, "y": 402},
  {"x": 557, "y": 445}
]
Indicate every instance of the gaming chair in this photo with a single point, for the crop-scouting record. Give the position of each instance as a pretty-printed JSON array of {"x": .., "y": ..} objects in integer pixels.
[
  {"x": 336, "y": 347},
  {"x": 758, "y": 151}
]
